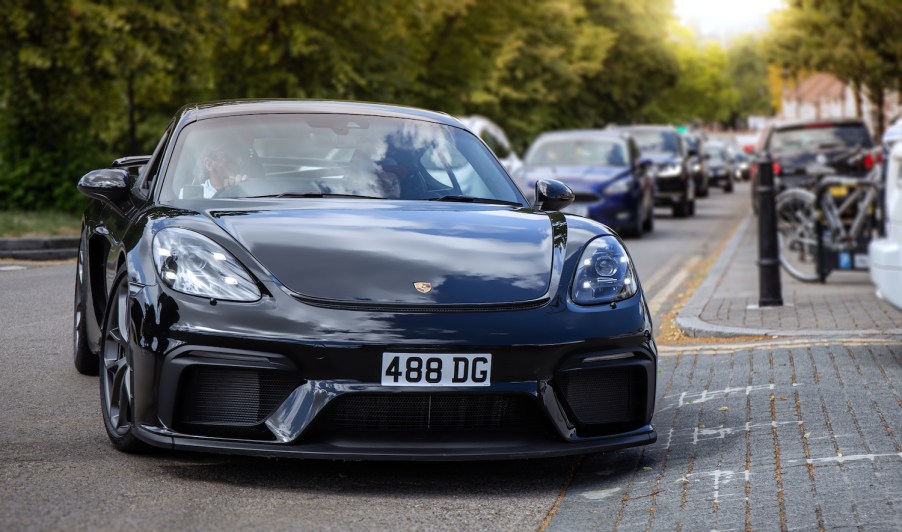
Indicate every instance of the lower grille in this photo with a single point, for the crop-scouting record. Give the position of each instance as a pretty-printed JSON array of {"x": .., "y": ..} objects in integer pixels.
[
  {"x": 230, "y": 402},
  {"x": 603, "y": 400},
  {"x": 429, "y": 412}
]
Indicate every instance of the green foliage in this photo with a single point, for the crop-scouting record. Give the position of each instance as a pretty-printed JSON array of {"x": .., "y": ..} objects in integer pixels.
[
  {"x": 703, "y": 91},
  {"x": 851, "y": 39},
  {"x": 85, "y": 81}
]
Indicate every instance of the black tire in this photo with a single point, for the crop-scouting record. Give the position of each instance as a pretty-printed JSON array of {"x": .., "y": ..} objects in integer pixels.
[
  {"x": 681, "y": 209},
  {"x": 636, "y": 230},
  {"x": 692, "y": 208},
  {"x": 85, "y": 361},
  {"x": 116, "y": 379},
  {"x": 649, "y": 224},
  {"x": 703, "y": 191},
  {"x": 728, "y": 186}
]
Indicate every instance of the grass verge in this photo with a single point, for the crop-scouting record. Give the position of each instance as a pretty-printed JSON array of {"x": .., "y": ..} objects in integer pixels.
[{"x": 38, "y": 223}]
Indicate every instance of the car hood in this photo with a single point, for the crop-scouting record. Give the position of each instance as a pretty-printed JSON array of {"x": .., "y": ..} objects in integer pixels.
[
  {"x": 372, "y": 252},
  {"x": 717, "y": 165},
  {"x": 576, "y": 173},
  {"x": 662, "y": 158}
]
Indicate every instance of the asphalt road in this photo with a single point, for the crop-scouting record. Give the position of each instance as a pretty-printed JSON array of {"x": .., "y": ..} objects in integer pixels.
[{"x": 59, "y": 471}]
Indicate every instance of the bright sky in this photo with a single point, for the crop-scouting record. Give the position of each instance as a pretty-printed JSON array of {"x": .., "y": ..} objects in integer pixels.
[{"x": 724, "y": 18}]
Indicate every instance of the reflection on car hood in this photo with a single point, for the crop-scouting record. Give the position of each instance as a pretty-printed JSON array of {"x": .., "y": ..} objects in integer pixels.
[{"x": 372, "y": 252}]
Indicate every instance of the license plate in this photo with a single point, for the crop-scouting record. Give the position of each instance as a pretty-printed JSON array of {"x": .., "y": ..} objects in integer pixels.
[
  {"x": 839, "y": 191},
  {"x": 409, "y": 369}
]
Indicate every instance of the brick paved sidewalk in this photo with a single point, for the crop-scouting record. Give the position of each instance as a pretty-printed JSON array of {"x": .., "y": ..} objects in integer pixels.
[
  {"x": 789, "y": 434},
  {"x": 726, "y": 302}
]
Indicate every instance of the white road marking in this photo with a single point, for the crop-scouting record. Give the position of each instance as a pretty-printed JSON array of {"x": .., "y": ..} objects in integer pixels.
[
  {"x": 13, "y": 268},
  {"x": 597, "y": 495},
  {"x": 843, "y": 459},
  {"x": 654, "y": 306},
  {"x": 721, "y": 432},
  {"x": 705, "y": 395}
]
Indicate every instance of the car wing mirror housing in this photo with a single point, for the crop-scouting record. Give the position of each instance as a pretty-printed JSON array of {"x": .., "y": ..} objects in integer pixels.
[
  {"x": 552, "y": 195},
  {"x": 108, "y": 185},
  {"x": 644, "y": 163}
]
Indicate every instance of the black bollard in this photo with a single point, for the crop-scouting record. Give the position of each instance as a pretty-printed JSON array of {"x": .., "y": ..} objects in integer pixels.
[{"x": 769, "y": 288}]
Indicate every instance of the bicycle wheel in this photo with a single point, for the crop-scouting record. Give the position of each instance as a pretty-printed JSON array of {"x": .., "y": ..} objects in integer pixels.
[{"x": 796, "y": 233}]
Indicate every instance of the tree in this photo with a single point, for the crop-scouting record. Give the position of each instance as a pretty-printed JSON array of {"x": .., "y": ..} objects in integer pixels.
[
  {"x": 703, "y": 91},
  {"x": 847, "y": 38}
]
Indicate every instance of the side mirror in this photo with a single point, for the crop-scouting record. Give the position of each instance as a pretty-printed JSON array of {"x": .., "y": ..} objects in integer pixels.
[
  {"x": 644, "y": 163},
  {"x": 109, "y": 184},
  {"x": 692, "y": 152},
  {"x": 552, "y": 195}
]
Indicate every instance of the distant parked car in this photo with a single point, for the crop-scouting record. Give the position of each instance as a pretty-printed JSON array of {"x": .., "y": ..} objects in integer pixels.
[
  {"x": 610, "y": 180},
  {"x": 719, "y": 164},
  {"x": 495, "y": 138},
  {"x": 844, "y": 145},
  {"x": 674, "y": 186},
  {"x": 741, "y": 165},
  {"x": 698, "y": 165}
]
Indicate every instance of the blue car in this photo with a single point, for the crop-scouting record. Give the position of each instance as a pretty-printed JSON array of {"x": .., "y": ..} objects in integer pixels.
[{"x": 612, "y": 183}]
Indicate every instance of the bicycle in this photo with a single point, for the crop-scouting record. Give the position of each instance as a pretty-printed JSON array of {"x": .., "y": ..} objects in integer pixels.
[{"x": 830, "y": 227}]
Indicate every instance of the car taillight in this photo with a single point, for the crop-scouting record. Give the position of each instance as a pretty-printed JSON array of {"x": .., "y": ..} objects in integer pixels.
[
  {"x": 777, "y": 168},
  {"x": 868, "y": 161}
]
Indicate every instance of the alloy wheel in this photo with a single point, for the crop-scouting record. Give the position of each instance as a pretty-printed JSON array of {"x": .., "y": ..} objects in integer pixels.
[{"x": 116, "y": 372}]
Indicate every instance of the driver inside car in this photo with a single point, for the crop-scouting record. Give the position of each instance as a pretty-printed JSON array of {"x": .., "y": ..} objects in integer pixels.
[{"x": 217, "y": 170}]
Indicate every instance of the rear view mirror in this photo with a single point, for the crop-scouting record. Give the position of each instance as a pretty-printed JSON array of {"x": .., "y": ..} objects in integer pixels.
[{"x": 109, "y": 185}]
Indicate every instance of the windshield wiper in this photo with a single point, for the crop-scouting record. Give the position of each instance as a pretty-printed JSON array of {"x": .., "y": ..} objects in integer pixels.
[
  {"x": 472, "y": 199},
  {"x": 313, "y": 195}
]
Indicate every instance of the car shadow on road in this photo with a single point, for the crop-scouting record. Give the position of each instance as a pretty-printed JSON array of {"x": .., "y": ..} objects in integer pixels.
[{"x": 511, "y": 477}]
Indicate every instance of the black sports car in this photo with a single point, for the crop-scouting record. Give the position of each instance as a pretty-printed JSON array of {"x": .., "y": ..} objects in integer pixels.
[{"x": 345, "y": 280}]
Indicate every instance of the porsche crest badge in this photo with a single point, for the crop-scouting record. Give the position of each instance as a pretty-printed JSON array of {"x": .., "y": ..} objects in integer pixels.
[{"x": 423, "y": 288}]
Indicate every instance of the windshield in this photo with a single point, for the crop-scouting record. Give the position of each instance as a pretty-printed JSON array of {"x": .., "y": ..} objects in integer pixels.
[
  {"x": 578, "y": 152},
  {"x": 332, "y": 155},
  {"x": 657, "y": 142},
  {"x": 820, "y": 138},
  {"x": 715, "y": 153}
]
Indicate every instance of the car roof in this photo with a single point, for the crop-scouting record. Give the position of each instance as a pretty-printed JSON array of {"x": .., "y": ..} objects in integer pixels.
[
  {"x": 798, "y": 124},
  {"x": 645, "y": 127},
  {"x": 584, "y": 133},
  {"x": 205, "y": 110}
]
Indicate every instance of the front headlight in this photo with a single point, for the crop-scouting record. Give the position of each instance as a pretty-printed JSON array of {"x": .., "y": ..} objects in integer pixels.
[
  {"x": 193, "y": 264},
  {"x": 669, "y": 170},
  {"x": 605, "y": 273},
  {"x": 697, "y": 167},
  {"x": 621, "y": 186}
]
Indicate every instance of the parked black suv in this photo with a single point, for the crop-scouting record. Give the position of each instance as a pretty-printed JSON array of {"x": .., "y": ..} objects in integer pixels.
[
  {"x": 845, "y": 145},
  {"x": 674, "y": 186},
  {"x": 698, "y": 165}
]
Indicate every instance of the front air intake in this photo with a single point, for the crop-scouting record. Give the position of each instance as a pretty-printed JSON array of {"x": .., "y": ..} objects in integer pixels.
[
  {"x": 603, "y": 400},
  {"x": 230, "y": 402}
]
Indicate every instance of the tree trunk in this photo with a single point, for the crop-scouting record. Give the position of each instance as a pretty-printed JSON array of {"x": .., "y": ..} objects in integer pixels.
[
  {"x": 856, "y": 93},
  {"x": 132, "y": 125},
  {"x": 877, "y": 96}
]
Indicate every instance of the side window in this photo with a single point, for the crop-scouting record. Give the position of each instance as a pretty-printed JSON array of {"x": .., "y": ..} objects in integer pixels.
[{"x": 149, "y": 172}]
